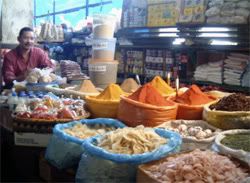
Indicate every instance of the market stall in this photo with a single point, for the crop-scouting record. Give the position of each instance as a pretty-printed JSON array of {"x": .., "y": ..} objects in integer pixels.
[{"x": 159, "y": 100}]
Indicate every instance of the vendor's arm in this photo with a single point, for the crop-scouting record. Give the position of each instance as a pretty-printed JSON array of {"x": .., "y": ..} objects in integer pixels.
[
  {"x": 8, "y": 71},
  {"x": 44, "y": 60}
]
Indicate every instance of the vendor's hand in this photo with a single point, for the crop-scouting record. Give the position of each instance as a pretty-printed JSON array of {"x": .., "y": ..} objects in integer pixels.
[{"x": 22, "y": 77}]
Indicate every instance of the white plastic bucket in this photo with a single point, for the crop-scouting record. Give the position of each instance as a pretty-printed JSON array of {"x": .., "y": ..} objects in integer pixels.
[
  {"x": 103, "y": 73},
  {"x": 103, "y": 48},
  {"x": 103, "y": 31}
]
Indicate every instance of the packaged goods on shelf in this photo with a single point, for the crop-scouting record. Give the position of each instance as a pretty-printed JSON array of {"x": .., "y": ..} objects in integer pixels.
[
  {"x": 51, "y": 33},
  {"x": 154, "y": 63},
  {"x": 169, "y": 61},
  {"x": 134, "y": 63},
  {"x": 234, "y": 67},
  {"x": 228, "y": 12},
  {"x": 192, "y": 11},
  {"x": 209, "y": 72},
  {"x": 166, "y": 14},
  {"x": 245, "y": 78},
  {"x": 181, "y": 61},
  {"x": 210, "y": 66},
  {"x": 120, "y": 57}
]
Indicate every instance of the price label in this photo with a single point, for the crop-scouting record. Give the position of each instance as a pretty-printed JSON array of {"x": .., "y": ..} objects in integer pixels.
[
  {"x": 95, "y": 68},
  {"x": 99, "y": 45}
]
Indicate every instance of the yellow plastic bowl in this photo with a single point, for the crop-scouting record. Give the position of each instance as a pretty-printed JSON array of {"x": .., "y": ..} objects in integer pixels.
[
  {"x": 227, "y": 120},
  {"x": 102, "y": 108}
]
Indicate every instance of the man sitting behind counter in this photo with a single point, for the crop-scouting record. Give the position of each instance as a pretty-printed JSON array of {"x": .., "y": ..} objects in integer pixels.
[{"x": 23, "y": 58}]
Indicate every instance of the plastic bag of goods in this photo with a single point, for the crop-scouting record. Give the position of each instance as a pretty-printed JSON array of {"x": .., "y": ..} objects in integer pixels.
[
  {"x": 64, "y": 148},
  {"x": 146, "y": 107},
  {"x": 115, "y": 157}
]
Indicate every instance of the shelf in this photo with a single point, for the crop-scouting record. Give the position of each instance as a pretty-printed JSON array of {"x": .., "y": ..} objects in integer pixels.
[
  {"x": 184, "y": 47},
  {"x": 191, "y": 81},
  {"x": 224, "y": 86},
  {"x": 50, "y": 42},
  {"x": 8, "y": 45},
  {"x": 201, "y": 36}
]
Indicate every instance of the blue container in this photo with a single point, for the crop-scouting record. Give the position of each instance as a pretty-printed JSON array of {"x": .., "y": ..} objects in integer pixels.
[{"x": 64, "y": 150}]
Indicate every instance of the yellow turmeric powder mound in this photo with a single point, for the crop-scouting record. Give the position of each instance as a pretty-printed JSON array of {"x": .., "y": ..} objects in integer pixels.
[
  {"x": 162, "y": 86},
  {"x": 112, "y": 92},
  {"x": 129, "y": 85},
  {"x": 86, "y": 87}
]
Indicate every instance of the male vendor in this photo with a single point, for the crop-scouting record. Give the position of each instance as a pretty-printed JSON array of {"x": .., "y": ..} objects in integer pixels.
[{"x": 23, "y": 58}]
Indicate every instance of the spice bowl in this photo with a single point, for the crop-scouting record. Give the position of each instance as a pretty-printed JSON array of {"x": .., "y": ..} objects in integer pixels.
[
  {"x": 226, "y": 119},
  {"x": 195, "y": 133},
  {"x": 188, "y": 112},
  {"x": 102, "y": 108},
  {"x": 236, "y": 153},
  {"x": 134, "y": 113}
]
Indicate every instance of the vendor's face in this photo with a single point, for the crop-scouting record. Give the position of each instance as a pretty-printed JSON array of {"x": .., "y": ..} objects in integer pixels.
[{"x": 26, "y": 40}]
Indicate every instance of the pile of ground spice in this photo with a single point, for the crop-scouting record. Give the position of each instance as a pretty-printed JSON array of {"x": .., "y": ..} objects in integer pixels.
[
  {"x": 234, "y": 102},
  {"x": 111, "y": 92},
  {"x": 129, "y": 85},
  {"x": 162, "y": 86},
  {"x": 194, "y": 96},
  {"x": 149, "y": 95},
  {"x": 87, "y": 87}
]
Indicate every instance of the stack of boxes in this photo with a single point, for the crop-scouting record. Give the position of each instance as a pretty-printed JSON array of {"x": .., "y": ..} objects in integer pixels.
[
  {"x": 134, "y": 13},
  {"x": 192, "y": 11},
  {"x": 102, "y": 66},
  {"x": 162, "y": 13}
]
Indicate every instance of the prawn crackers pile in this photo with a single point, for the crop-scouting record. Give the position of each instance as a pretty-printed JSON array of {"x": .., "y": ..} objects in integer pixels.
[
  {"x": 84, "y": 131},
  {"x": 197, "y": 166},
  {"x": 132, "y": 140}
]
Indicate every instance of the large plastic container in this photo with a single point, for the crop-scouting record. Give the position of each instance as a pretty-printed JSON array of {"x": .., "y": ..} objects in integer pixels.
[
  {"x": 103, "y": 73},
  {"x": 103, "y": 48},
  {"x": 105, "y": 31}
]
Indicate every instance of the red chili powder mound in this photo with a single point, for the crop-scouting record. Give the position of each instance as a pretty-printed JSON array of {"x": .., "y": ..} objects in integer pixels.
[
  {"x": 194, "y": 96},
  {"x": 149, "y": 95}
]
